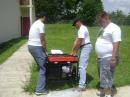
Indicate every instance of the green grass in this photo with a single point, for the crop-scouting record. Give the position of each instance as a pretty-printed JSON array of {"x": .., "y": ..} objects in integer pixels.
[
  {"x": 61, "y": 36},
  {"x": 9, "y": 47},
  {"x": 33, "y": 80}
]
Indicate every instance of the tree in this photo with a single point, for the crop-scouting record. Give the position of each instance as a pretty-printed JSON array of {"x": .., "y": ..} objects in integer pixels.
[
  {"x": 51, "y": 7},
  {"x": 128, "y": 19},
  {"x": 118, "y": 17},
  {"x": 89, "y": 10},
  {"x": 70, "y": 9},
  {"x": 58, "y": 10}
]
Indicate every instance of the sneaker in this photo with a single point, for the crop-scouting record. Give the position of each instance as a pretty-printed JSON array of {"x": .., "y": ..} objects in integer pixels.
[
  {"x": 99, "y": 93},
  {"x": 79, "y": 89},
  {"x": 45, "y": 92},
  {"x": 107, "y": 96},
  {"x": 114, "y": 90}
]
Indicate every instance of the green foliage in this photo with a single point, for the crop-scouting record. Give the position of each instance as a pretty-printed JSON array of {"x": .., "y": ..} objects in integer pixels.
[
  {"x": 70, "y": 7},
  {"x": 89, "y": 10},
  {"x": 128, "y": 20},
  {"x": 61, "y": 36},
  {"x": 30, "y": 86},
  {"x": 9, "y": 47},
  {"x": 119, "y": 18},
  {"x": 50, "y": 7},
  {"x": 59, "y": 10}
]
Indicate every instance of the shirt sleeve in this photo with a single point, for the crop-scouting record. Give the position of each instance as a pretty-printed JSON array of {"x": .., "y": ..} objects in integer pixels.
[
  {"x": 116, "y": 35},
  {"x": 81, "y": 33},
  {"x": 42, "y": 28}
]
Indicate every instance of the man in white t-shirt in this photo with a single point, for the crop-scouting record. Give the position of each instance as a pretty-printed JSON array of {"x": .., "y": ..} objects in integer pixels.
[
  {"x": 37, "y": 48},
  {"x": 107, "y": 46},
  {"x": 82, "y": 43}
]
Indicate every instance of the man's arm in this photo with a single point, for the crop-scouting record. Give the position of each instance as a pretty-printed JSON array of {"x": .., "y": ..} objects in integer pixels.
[
  {"x": 43, "y": 42},
  {"x": 115, "y": 52},
  {"x": 76, "y": 46}
]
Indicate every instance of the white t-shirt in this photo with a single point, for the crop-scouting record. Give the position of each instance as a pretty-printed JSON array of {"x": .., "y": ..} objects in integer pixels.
[
  {"x": 104, "y": 43},
  {"x": 34, "y": 33},
  {"x": 83, "y": 33}
]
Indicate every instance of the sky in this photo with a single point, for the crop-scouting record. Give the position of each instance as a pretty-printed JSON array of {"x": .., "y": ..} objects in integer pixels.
[{"x": 113, "y": 5}]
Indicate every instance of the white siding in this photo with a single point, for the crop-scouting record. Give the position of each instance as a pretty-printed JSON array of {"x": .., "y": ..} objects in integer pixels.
[{"x": 9, "y": 20}]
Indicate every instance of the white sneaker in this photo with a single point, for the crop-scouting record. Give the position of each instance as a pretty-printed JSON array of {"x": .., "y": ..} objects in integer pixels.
[
  {"x": 99, "y": 93},
  {"x": 45, "y": 92},
  {"x": 79, "y": 89},
  {"x": 107, "y": 96}
]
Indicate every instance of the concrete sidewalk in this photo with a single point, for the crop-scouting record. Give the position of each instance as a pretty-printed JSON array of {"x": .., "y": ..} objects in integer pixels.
[{"x": 15, "y": 72}]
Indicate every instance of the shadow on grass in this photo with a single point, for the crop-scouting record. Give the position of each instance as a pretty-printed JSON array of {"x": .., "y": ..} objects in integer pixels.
[
  {"x": 52, "y": 84},
  {"x": 9, "y": 47},
  {"x": 89, "y": 78},
  {"x": 65, "y": 83},
  {"x": 6, "y": 45}
]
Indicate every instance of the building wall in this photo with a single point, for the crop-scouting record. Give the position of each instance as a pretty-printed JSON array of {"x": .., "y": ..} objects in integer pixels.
[
  {"x": 26, "y": 19},
  {"x": 10, "y": 23},
  {"x": 33, "y": 14}
]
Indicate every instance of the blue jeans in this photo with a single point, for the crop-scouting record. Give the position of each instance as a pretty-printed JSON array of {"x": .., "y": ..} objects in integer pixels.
[
  {"x": 83, "y": 62},
  {"x": 40, "y": 58}
]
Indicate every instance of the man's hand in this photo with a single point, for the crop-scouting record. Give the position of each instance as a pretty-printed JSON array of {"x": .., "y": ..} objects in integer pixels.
[
  {"x": 73, "y": 53},
  {"x": 114, "y": 53},
  {"x": 113, "y": 62},
  {"x": 76, "y": 46}
]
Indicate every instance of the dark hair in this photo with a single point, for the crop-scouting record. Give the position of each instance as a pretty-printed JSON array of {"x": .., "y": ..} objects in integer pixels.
[
  {"x": 41, "y": 14},
  {"x": 102, "y": 14},
  {"x": 75, "y": 21}
]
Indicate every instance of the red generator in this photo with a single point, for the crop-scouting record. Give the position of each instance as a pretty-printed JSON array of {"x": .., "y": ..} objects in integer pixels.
[{"x": 60, "y": 66}]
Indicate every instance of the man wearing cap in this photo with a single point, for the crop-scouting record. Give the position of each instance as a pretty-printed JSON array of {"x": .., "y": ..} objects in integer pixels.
[
  {"x": 37, "y": 48},
  {"x": 82, "y": 43}
]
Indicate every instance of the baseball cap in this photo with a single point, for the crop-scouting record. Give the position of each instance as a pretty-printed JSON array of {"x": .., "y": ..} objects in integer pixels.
[{"x": 41, "y": 14}]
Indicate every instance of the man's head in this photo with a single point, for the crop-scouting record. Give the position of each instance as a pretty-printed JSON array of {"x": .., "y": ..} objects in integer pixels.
[
  {"x": 77, "y": 23},
  {"x": 103, "y": 18},
  {"x": 41, "y": 16}
]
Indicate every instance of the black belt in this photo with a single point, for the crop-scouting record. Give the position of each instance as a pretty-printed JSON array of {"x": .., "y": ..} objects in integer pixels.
[{"x": 85, "y": 44}]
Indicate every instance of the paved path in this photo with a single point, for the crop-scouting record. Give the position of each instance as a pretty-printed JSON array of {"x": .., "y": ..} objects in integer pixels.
[{"x": 15, "y": 72}]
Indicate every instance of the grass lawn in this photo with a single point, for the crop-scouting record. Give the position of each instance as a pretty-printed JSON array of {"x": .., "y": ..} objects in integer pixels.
[
  {"x": 9, "y": 47},
  {"x": 61, "y": 36}
]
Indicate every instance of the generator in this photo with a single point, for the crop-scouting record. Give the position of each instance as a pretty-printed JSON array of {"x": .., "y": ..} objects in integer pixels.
[{"x": 61, "y": 66}]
